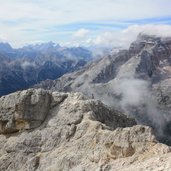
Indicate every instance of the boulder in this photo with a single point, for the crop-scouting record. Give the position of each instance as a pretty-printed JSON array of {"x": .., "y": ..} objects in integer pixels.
[{"x": 23, "y": 110}]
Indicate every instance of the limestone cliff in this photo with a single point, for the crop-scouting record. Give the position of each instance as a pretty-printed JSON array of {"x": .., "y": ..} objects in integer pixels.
[{"x": 52, "y": 131}]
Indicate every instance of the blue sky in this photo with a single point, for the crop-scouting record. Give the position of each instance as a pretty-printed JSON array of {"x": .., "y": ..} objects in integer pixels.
[{"x": 82, "y": 22}]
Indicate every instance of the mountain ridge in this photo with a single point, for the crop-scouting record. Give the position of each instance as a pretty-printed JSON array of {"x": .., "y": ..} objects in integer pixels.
[
  {"x": 42, "y": 130},
  {"x": 24, "y": 67},
  {"x": 135, "y": 81}
]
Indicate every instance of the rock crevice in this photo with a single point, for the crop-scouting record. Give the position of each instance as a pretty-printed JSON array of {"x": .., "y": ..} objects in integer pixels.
[{"x": 75, "y": 133}]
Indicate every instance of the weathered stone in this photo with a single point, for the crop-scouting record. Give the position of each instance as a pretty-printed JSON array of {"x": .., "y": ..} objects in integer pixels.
[
  {"x": 79, "y": 134},
  {"x": 23, "y": 110}
]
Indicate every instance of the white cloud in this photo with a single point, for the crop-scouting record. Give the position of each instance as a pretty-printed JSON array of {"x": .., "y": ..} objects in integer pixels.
[
  {"x": 3, "y": 38},
  {"x": 128, "y": 35},
  {"x": 123, "y": 38},
  {"x": 64, "y": 11},
  {"x": 106, "y": 39},
  {"x": 43, "y": 16},
  {"x": 81, "y": 33},
  {"x": 158, "y": 30},
  {"x": 26, "y": 64}
]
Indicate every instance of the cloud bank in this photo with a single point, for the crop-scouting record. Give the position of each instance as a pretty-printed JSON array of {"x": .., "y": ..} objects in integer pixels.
[
  {"x": 123, "y": 38},
  {"x": 24, "y": 21},
  {"x": 81, "y": 33}
]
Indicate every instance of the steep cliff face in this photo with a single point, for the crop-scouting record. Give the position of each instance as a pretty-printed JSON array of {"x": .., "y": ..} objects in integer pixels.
[
  {"x": 43, "y": 131},
  {"x": 136, "y": 81},
  {"x": 148, "y": 58}
]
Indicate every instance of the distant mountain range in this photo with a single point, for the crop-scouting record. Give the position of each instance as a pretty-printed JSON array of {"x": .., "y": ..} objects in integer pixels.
[{"x": 26, "y": 66}]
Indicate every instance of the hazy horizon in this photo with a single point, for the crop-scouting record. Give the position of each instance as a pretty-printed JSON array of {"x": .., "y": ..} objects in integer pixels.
[{"x": 93, "y": 22}]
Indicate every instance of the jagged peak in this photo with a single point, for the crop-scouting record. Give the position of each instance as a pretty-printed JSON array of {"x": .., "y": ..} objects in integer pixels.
[
  {"x": 143, "y": 37},
  {"x": 153, "y": 38},
  {"x": 4, "y": 46},
  {"x": 42, "y": 46},
  {"x": 147, "y": 40}
]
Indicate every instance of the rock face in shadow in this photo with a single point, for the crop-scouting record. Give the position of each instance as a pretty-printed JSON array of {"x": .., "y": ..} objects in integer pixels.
[
  {"x": 73, "y": 133},
  {"x": 22, "y": 68}
]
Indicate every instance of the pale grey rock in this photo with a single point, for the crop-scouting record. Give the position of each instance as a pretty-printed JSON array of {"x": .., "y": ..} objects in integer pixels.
[
  {"x": 23, "y": 110},
  {"x": 163, "y": 93},
  {"x": 79, "y": 134}
]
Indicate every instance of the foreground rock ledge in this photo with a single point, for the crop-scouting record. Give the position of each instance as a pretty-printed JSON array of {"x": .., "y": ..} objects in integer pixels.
[{"x": 46, "y": 131}]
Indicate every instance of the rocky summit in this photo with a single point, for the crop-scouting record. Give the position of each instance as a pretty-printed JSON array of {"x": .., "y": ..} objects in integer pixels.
[{"x": 50, "y": 131}]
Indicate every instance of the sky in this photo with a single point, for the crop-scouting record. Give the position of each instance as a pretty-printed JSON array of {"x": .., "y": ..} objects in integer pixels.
[{"x": 82, "y": 22}]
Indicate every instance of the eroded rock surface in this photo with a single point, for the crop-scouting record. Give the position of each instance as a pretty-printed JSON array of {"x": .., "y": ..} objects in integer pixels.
[
  {"x": 23, "y": 110},
  {"x": 74, "y": 133}
]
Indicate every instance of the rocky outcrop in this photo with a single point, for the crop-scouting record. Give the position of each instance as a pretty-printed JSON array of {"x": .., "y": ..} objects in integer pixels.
[
  {"x": 23, "y": 110},
  {"x": 73, "y": 133},
  {"x": 28, "y": 109}
]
